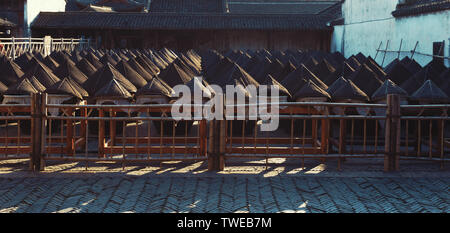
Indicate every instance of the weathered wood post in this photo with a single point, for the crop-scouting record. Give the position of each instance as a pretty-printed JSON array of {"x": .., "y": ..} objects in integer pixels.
[
  {"x": 70, "y": 147},
  {"x": 342, "y": 139},
  {"x": 392, "y": 134},
  {"x": 37, "y": 131},
  {"x": 216, "y": 142},
  {"x": 101, "y": 134}
]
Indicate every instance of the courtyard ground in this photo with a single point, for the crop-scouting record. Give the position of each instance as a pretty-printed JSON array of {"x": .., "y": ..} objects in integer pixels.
[{"x": 246, "y": 186}]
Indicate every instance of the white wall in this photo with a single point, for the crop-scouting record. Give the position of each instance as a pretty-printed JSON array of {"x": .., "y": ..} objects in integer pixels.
[
  {"x": 368, "y": 22},
  {"x": 33, "y": 8}
]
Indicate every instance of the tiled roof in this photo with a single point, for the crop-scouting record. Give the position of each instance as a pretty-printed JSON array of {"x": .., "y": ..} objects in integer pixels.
[
  {"x": 415, "y": 7},
  {"x": 278, "y": 6},
  {"x": 116, "y": 5},
  {"x": 205, "y": 6},
  {"x": 8, "y": 20},
  {"x": 146, "y": 21}
]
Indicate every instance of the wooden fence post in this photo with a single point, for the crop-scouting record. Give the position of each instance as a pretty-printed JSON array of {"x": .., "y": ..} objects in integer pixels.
[
  {"x": 392, "y": 134},
  {"x": 38, "y": 132},
  {"x": 217, "y": 143},
  {"x": 101, "y": 134}
]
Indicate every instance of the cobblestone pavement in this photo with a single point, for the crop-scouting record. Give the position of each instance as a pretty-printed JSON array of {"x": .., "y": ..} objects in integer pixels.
[{"x": 187, "y": 187}]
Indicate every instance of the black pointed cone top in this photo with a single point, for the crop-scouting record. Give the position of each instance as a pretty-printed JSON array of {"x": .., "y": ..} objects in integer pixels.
[
  {"x": 412, "y": 84},
  {"x": 151, "y": 64},
  {"x": 217, "y": 70},
  {"x": 398, "y": 73},
  {"x": 366, "y": 80},
  {"x": 338, "y": 57},
  {"x": 116, "y": 57},
  {"x": 373, "y": 65},
  {"x": 254, "y": 61},
  {"x": 23, "y": 60},
  {"x": 345, "y": 71},
  {"x": 123, "y": 56},
  {"x": 33, "y": 63},
  {"x": 434, "y": 70},
  {"x": 158, "y": 61},
  {"x": 23, "y": 87},
  {"x": 361, "y": 58},
  {"x": 310, "y": 90},
  {"x": 276, "y": 69},
  {"x": 140, "y": 70},
  {"x": 260, "y": 71},
  {"x": 244, "y": 78},
  {"x": 191, "y": 65},
  {"x": 387, "y": 88},
  {"x": 430, "y": 71},
  {"x": 311, "y": 63},
  {"x": 76, "y": 57},
  {"x": 210, "y": 58},
  {"x": 79, "y": 88},
  {"x": 349, "y": 91},
  {"x": 51, "y": 63},
  {"x": 288, "y": 68},
  {"x": 308, "y": 75},
  {"x": 113, "y": 89},
  {"x": 429, "y": 91},
  {"x": 155, "y": 87},
  {"x": 197, "y": 84},
  {"x": 60, "y": 56},
  {"x": 341, "y": 81},
  {"x": 243, "y": 59},
  {"x": 64, "y": 87},
  {"x": 391, "y": 65},
  {"x": 271, "y": 81},
  {"x": 184, "y": 66},
  {"x": 293, "y": 81},
  {"x": 43, "y": 74},
  {"x": 86, "y": 67},
  {"x": 36, "y": 84},
  {"x": 68, "y": 69},
  {"x": 129, "y": 73},
  {"x": 94, "y": 60},
  {"x": 108, "y": 59},
  {"x": 411, "y": 65},
  {"x": 146, "y": 66},
  {"x": 353, "y": 62},
  {"x": 104, "y": 76},
  {"x": 323, "y": 69},
  {"x": 39, "y": 56},
  {"x": 174, "y": 75},
  {"x": 10, "y": 72}
]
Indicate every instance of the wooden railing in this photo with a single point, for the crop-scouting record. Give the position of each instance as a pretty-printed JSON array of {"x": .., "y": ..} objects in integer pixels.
[
  {"x": 14, "y": 47},
  {"x": 144, "y": 133}
]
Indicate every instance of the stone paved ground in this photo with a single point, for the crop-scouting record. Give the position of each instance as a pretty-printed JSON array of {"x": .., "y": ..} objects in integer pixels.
[{"x": 243, "y": 187}]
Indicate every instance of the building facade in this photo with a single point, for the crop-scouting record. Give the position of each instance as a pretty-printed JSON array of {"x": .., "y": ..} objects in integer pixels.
[
  {"x": 23, "y": 12},
  {"x": 187, "y": 24},
  {"x": 394, "y": 23}
]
